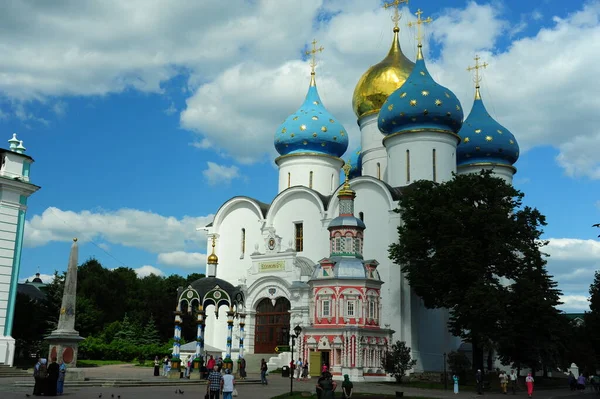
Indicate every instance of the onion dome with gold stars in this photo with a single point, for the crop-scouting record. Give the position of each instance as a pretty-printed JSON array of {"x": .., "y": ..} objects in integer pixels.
[
  {"x": 311, "y": 129},
  {"x": 355, "y": 162},
  {"x": 380, "y": 80},
  {"x": 483, "y": 140},
  {"x": 421, "y": 104}
]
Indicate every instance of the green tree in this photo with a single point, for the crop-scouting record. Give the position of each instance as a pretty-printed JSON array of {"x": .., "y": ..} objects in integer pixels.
[
  {"x": 459, "y": 365},
  {"x": 458, "y": 243},
  {"x": 129, "y": 333},
  {"x": 150, "y": 334},
  {"x": 398, "y": 361},
  {"x": 592, "y": 319}
]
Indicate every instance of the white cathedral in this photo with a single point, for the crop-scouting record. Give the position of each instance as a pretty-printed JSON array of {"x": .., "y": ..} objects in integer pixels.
[{"x": 412, "y": 129}]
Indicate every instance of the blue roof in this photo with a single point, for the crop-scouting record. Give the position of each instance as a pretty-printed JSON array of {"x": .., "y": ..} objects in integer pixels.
[
  {"x": 420, "y": 103},
  {"x": 355, "y": 163},
  {"x": 311, "y": 129},
  {"x": 483, "y": 140},
  {"x": 346, "y": 221}
]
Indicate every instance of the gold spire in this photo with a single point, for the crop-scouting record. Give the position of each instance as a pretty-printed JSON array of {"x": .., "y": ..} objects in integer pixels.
[
  {"x": 313, "y": 60},
  {"x": 477, "y": 78},
  {"x": 418, "y": 23},
  {"x": 397, "y": 15},
  {"x": 346, "y": 189},
  {"x": 212, "y": 258}
]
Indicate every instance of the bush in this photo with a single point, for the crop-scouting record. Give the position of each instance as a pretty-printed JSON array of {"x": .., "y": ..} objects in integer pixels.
[
  {"x": 97, "y": 349},
  {"x": 398, "y": 361}
]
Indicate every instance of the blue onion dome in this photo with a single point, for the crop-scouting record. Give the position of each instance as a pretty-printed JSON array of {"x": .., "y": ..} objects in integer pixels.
[
  {"x": 311, "y": 129},
  {"x": 355, "y": 163},
  {"x": 483, "y": 140},
  {"x": 420, "y": 104}
]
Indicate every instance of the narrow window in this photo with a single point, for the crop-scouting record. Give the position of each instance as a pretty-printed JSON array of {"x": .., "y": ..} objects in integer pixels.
[
  {"x": 310, "y": 179},
  {"x": 371, "y": 309},
  {"x": 350, "y": 309},
  {"x": 348, "y": 245},
  {"x": 243, "y": 241},
  {"x": 361, "y": 216},
  {"x": 407, "y": 166},
  {"x": 326, "y": 307},
  {"x": 299, "y": 234},
  {"x": 331, "y": 183},
  {"x": 378, "y": 170},
  {"x": 289, "y": 179},
  {"x": 434, "y": 166}
]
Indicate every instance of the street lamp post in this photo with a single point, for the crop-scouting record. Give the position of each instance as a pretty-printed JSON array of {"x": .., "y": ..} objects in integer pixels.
[{"x": 297, "y": 332}]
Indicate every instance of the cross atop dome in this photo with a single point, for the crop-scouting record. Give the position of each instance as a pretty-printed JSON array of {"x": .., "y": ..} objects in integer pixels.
[
  {"x": 397, "y": 15},
  {"x": 418, "y": 23},
  {"x": 313, "y": 60},
  {"x": 477, "y": 78}
]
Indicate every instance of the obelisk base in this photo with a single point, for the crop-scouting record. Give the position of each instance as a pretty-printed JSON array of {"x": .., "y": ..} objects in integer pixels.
[
  {"x": 64, "y": 347},
  {"x": 7, "y": 350}
]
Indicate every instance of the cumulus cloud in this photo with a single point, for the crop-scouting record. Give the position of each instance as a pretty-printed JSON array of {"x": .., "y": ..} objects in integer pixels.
[
  {"x": 128, "y": 227},
  {"x": 46, "y": 278},
  {"x": 182, "y": 259},
  {"x": 148, "y": 270},
  {"x": 573, "y": 263},
  {"x": 220, "y": 174}
]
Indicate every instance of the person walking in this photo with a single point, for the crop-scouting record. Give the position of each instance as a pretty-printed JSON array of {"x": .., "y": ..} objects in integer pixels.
[
  {"x": 263, "y": 372},
  {"x": 529, "y": 382},
  {"x": 298, "y": 369},
  {"x": 62, "y": 371},
  {"x": 166, "y": 366},
  {"x": 513, "y": 381},
  {"x": 242, "y": 369},
  {"x": 227, "y": 384},
  {"x": 213, "y": 387},
  {"x": 479, "y": 382},
  {"x": 305, "y": 370},
  {"x": 455, "y": 379},
  {"x": 503, "y": 382}
]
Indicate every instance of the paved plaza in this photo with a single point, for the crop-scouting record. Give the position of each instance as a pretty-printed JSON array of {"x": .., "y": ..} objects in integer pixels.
[{"x": 277, "y": 385}]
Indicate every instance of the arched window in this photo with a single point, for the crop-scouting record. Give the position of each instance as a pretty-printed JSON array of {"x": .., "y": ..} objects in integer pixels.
[
  {"x": 361, "y": 216},
  {"x": 407, "y": 166},
  {"x": 299, "y": 235},
  {"x": 378, "y": 170},
  {"x": 289, "y": 179},
  {"x": 310, "y": 180},
  {"x": 434, "y": 165},
  {"x": 243, "y": 241}
]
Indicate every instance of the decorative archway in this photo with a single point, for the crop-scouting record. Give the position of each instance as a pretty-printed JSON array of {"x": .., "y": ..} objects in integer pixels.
[{"x": 271, "y": 317}]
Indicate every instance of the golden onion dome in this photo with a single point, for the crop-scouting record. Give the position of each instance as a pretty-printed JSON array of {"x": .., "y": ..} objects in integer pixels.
[
  {"x": 212, "y": 258},
  {"x": 381, "y": 80}
]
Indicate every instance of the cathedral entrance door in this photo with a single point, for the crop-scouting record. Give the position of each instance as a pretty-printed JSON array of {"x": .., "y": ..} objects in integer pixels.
[{"x": 270, "y": 321}]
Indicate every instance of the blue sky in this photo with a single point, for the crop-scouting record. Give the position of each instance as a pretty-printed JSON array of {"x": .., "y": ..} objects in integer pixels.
[{"x": 144, "y": 119}]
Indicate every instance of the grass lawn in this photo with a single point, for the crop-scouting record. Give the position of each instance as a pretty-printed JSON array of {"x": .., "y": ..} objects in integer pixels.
[
  {"x": 298, "y": 395},
  {"x": 98, "y": 363}
]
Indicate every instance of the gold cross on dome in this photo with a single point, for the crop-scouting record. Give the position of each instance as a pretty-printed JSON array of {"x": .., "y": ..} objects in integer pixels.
[
  {"x": 396, "y": 5},
  {"x": 347, "y": 168},
  {"x": 476, "y": 68},
  {"x": 418, "y": 23},
  {"x": 313, "y": 53}
]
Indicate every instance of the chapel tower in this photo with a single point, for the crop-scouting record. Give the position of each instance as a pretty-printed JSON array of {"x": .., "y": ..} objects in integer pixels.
[
  {"x": 310, "y": 143},
  {"x": 371, "y": 91},
  {"x": 15, "y": 189}
]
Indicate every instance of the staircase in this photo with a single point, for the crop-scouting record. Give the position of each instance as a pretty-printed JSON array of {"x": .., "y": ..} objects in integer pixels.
[
  {"x": 7, "y": 371},
  {"x": 273, "y": 362}
]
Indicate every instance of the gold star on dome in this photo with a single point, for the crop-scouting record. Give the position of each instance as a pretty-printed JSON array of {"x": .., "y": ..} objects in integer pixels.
[
  {"x": 295, "y": 118},
  {"x": 413, "y": 103},
  {"x": 316, "y": 102},
  {"x": 422, "y": 73},
  {"x": 425, "y": 112},
  {"x": 323, "y": 144},
  {"x": 302, "y": 127},
  {"x": 457, "y": 108},
  {"x": 424, "y": 93},
  {"x": 314, "y": 135},
  {"x": 402, "y": 95},
  {"x": 477, "y": 131},
  {"x": 499, "y": 131},
  {"x": 511, "y": 142},
  {"x": 438, "y": 102},
  {"x": 447, "y": 95},
  {"x": 466, "y": 140},
  {"x": 305, "y": 142},
  {"x": 334, "y": 138},
  {"x": 314, "y": 118},
  {"x": 323, "y": 128},
  {"x": 390, "y": 107},
  {"x": 292, "y": 135},
  {"x": 283, "y": 130},
  {"x": 331, "y": 120},
  {"x": 488, "y": 138}
]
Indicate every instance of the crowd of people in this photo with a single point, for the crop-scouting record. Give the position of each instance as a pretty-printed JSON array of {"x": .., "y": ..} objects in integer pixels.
[{"x": 49, "y": 378}]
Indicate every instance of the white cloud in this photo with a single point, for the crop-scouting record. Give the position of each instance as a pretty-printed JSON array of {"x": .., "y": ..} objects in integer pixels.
[
  {"x": 60, "y": 108},
  {"x": 46, "y": 278},
  {"x": 128, "y": 227},
  {"x": 220, "y": 174},
  {"x": 147, "y": 270},
  {"x": 246, "y": 74},
  {"x": 575, "y": 303},
  {"x": 182, "y": 259}
]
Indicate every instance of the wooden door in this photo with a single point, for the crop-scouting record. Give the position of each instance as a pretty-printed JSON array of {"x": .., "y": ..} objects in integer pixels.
[{"x": 270, "y": 321}]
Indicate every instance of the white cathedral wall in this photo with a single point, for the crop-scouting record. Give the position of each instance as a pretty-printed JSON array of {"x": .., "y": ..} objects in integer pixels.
[
  {"x": 374, "y": 157},
  {"x": 504, "y": 172},
  {"x": 319, "y": 172},
  {"x": 419, "y": 162}
]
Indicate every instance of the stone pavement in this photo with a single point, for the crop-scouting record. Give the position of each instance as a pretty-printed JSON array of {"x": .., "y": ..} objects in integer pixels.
[{"x": 277, "y": 385}]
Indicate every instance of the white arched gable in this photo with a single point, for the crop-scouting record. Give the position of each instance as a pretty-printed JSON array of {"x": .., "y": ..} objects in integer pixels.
[
  {"x": 365, "y": 181},
  {"x": 287, "y": 195},
  {"x": 259, "y": 290},
  {"x": 228, "y": 206}
]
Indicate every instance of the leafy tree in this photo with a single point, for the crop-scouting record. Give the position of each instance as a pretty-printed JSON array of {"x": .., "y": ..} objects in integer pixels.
[
  {"x": 458, "y": 243},
  {"x": 398, "y": 361}
]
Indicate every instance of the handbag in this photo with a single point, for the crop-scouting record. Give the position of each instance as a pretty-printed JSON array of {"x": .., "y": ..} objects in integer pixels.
[{"x": 234, "y": 393}]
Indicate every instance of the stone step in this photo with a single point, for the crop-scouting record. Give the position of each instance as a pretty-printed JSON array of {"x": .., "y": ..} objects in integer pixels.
[{"x": 131, "y": 383}]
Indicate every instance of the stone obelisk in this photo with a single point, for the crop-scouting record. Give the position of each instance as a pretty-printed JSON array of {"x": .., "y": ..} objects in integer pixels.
[{"x": 63, "y": 341}]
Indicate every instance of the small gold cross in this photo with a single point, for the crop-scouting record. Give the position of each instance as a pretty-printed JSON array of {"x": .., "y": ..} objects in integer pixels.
[
  {"x": 313, "y": 53},
  {"x": 418, "y": 23},
  {"x": 476, "y": 68},
  {"x": 396, "y": 5}
]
